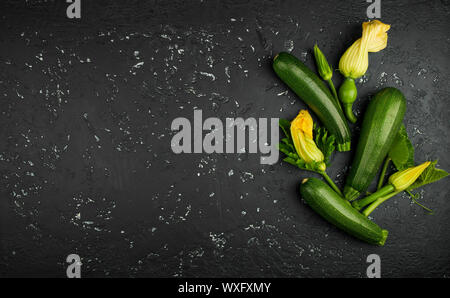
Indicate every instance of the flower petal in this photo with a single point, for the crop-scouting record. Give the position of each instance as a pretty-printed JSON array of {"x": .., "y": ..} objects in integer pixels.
[
  {"x": 303, "y": 122},
  {"x": 302, "y": 136},
  {"x": 355, "y": 61},
  {"x": 403, "y": 179},
  {"x": 375, "y": 32}
]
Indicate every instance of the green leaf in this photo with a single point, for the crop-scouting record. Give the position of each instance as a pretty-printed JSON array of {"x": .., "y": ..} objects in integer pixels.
[
  {"x": 287, "y": 151},
  {"x": 402, "y": 151},
  {"x": 430, "y": 175},
  {"x": 285, "y": 126},
  {"x": 293, "y": 158},
  {"x": 402, "y": 155},
  {"x": 290, "y": 160},
  {"x": 288, "y": 142},
  {"x": 324, "y": 141},
  {"x": 313, "y": 166},
  {"x": 284, "y": 148},
  {"x": 299, "y": 163}
]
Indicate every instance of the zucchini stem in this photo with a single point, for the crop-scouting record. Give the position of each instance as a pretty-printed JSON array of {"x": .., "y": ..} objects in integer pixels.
[
  {"x": 344, "y": 146},
  {"x": 331, "y": 183},
  {"x": 348, "y": 94},
  {"x": 377, "y": 203},
  {"x": 349, "y": 112},
  {"x": 382, "y": 192},
  {"x": 414, "y": 199},
  {"x": 333, "y": 90},
  {"x": 383, "y": 173}
]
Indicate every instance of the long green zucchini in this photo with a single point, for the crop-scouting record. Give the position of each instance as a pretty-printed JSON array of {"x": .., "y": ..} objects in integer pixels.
[
  {"x": 381, "y": 122},
  {"x": 339, "y": 212},
  {"x": 307, "y": 85}
]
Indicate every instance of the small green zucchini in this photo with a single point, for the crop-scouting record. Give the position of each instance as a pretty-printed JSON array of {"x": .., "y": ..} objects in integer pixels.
[
  {"x": 336, "y": 210},
  {"x": 311, "y": 89},
  {"x": 381, "y": 123}
]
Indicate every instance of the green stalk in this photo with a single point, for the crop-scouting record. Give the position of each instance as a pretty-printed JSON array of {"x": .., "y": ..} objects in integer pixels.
[
  {"x": 333, "y": 90},
  {"x": 348, "y": 111},
  {"x": 410, "y": 194},
  {"x": 331, "y": 183},
  {"x": 375, "y": 204},
  {"x": 383, "y": 172},
  {"x": 386, "y": 190},
  {"x": 347, "y": 95},
  {"x": 413, "y": 198}
]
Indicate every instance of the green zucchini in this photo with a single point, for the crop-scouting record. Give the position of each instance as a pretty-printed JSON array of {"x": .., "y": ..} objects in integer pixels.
[
  {"x": 381, "y": 123},
  {"x": 336, "y": 210},
  {"x": 307, "y": 85}
]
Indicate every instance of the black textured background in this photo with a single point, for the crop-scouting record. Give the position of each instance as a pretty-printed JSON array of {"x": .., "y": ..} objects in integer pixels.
[{"x": 85, "y": 159}]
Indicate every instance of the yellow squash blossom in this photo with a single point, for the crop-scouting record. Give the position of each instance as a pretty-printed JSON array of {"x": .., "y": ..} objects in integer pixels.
[
  {"x": 398, "y": 182},
  {"x": 302, "y": 136},
  {"x": 355, "y": 61},
  {"x": 403, "y": 179}
]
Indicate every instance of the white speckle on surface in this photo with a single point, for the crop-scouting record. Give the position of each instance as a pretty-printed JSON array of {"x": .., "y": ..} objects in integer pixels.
[
  {"x": 138, "y": 65},
  {"x": 246, "y": 176},
  {"x": 397, "y": 79},
  {"x": 209, "y": 75},
  {"x": 218, "y": 240},
  {"x": 422, "y": 72},
  {"x": 289, "y": 45},
  {"x": 303, "y": 56},
  {"x": 283, "y": 93}
]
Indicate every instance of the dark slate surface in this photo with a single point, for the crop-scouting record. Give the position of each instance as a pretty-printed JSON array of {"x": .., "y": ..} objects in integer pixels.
[{"x": 86, "y": 165}]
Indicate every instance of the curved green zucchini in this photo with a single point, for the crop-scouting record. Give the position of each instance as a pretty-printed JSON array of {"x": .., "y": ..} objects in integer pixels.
[
  {"x": 339, "y": 212},
  {"x": 307, "y": 85},
  {"x": 381, "y": 122}
]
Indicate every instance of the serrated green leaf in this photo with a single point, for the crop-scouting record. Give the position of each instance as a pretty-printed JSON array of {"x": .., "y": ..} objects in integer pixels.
[
  {"x": 285, "y": 126},
  {"x": 290, "y": 160},
  {"x": 288, "y": 153},
  {"x": 288, "y": 142},
  {"x": 284, "y": 147},
  {"x": 430, "y": 175},
  {"x": 324, "y": 141},
  {"x": 293, "y": 159},
  {"x": 313, "y": 166},
  {"x": 299, "y": 163},
  {"x": 402, "y": 151}
]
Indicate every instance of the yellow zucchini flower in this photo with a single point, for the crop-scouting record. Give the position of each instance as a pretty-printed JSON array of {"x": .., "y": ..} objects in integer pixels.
[
  {"x": 302, "y": 136},
  {"x": 403, "y": 179},
  {"x": 355, "y": 61}
]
